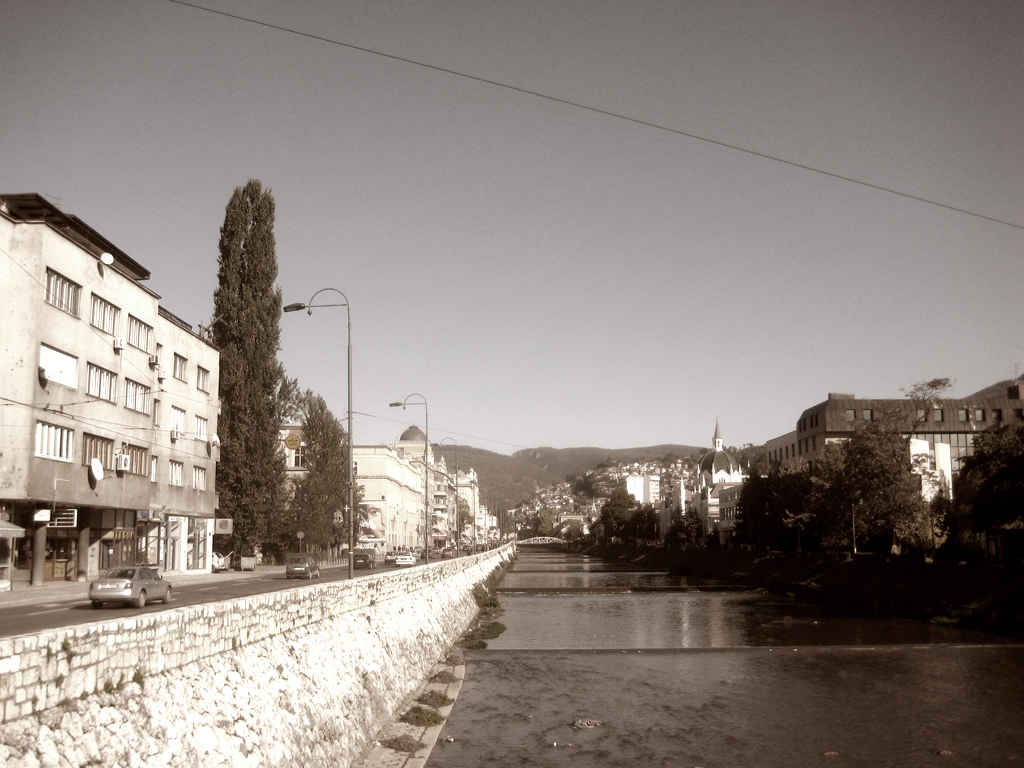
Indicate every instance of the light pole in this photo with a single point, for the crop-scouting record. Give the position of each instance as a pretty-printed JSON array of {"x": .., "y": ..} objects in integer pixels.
[
  {"x": 309, "y": 306},
  {"x": 458, "y": 531},
  {"x": 426, "y": 469}
]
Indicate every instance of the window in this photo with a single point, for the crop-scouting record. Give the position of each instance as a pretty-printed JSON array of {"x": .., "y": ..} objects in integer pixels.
[
  {"x": 153, "y": 469},
  {"x": 102, "y": 383},
  {"x": 62, "y": 293},
  {"x": 98, "y": 448},
  {"x": 104, "y": 315},
  {"x": 180, "y": 368},
  {"x": 54, "y": 442},
  {"x": 136, "y": 396},
  {"x": 200, "y": 428},
  {"x": 177, "y": 421},
  {"x": 156, "y": 413},
  {"x": 137, "y": 464},
  {"x": 922, "y": 415},
  {"x": 938, "y": 415},
  {"x": 851, "y": 414},
  {"x": 199, "y": 478},
  {"x": 202, "y": 378},
  {"x": 961, "y": 414},
  {"x": 979, "y": 414},
  {"x": 176, "y": 470},
  {"x": 866, "y": 414},
  {"x": 59, "y": 367},
  {"x": 300, "y": 457},
  {"x": 139, "y": 334},
  {"x": 997, "y": 414}
]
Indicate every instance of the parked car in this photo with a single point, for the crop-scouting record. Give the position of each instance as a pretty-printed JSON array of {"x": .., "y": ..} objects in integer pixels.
[
  {"x": 447, "y": 553},
  {"x": 405, "y": 558},
  {"x": 389, "y": 558},
  {"x": 136, "y": 585},
  {"x": 365, "y": 558},
  {"x": 219, "y": 562},
  {"x": 301, "y": 567}
]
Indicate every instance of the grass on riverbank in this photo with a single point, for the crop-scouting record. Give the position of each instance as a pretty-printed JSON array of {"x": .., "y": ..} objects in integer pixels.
[
  {"x": 485, "y": 627},
  {"x": 983, "y": 597}
]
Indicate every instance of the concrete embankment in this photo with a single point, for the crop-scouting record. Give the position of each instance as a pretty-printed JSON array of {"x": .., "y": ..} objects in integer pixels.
[{"x": 305, "y": 676}]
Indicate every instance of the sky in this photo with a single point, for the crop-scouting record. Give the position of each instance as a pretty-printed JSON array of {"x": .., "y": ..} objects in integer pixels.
[{"x": 560, "y": 223}]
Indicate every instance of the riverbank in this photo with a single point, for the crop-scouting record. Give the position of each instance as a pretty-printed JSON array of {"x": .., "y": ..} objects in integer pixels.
[{"x": 977, "y": 596}]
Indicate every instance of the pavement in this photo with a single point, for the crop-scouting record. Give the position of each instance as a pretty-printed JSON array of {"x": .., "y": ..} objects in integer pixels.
[{"x": 69, "y": 591}]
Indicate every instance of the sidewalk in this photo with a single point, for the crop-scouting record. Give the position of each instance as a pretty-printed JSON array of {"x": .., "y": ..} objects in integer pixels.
[{"x": 75, "y": 591}]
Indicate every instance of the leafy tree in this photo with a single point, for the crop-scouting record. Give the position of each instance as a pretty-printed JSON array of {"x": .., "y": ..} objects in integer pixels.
[
  {"x": 992, "y": 480},
  {"x": 616, "y": 512},
  {"x": 643, "y": 524},
  {"x": 321, "y": 494},
  {"x": 247, "y": 309}
]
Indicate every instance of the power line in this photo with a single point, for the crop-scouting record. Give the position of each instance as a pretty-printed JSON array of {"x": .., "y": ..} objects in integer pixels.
[{"x": 605, "y": 112}]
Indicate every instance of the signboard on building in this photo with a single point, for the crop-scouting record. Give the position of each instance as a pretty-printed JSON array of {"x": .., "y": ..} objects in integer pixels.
[
  {"x": 42, "y": 516},
  {"x": 64, "y": 518},
  {"x": 223, "y": 525}
]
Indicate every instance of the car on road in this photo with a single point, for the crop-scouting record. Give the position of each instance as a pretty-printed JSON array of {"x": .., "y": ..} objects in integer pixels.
[
  {"x": 136, "y": 585},
  {"x": 219, "y": 562},
  {"x": 389, "y": 557},
  {"x": 301, "y": 567},
  {"x": 447, "y": 553},
  {"x": 365, "y": 558},
  {"x": 405, "y": 558}
]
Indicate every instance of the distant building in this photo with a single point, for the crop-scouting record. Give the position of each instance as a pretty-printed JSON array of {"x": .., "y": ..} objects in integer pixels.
[
  {"x": 646, "y": 489},
  {"x": 953, "y": 422},
  {"x": 717, "y": 472},
  {"x": 109, "y": 447}
]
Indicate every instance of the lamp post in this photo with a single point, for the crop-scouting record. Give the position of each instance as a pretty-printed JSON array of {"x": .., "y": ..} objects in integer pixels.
[
  {"x": 458, "y": 531},
  {"x": 309, "y": 306},
  {"x": 426, "y": 469}
]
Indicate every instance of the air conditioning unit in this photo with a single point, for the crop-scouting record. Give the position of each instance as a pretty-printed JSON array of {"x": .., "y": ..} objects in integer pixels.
[
  {"x": 175, "y": 434},
  {"x": 161, "y": 374},
  {"x": 118, "y": 343},
  {"x": 154, "y": 361},
  {"x": 122, "y": 462}
]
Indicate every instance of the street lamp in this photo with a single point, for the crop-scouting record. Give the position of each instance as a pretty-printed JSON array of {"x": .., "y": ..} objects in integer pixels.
[
  {"x": 426, "y": 475},
  {"x": 309, "y": 306},
  {"x": 458, "y": 531}
]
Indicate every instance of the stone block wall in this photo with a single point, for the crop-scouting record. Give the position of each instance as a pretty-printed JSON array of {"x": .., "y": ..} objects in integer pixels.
[{"x": 304, "y": 676}]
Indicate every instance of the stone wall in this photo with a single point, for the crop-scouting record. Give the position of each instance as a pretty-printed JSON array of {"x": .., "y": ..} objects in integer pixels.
[{"x": 303, "y": 676}]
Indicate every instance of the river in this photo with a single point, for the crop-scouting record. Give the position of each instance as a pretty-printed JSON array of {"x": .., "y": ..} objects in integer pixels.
[{"x": 669, "y": 676}]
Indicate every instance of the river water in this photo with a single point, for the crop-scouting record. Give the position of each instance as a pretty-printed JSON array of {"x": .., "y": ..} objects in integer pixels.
[{"x": 676, "y": 677}]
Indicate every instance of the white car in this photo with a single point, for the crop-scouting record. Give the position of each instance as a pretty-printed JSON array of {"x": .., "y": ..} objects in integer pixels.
[{"x": 405, "y": 558}]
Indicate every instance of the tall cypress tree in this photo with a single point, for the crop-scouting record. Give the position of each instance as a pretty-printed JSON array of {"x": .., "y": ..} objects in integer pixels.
[{"x": 247, "y": 310}]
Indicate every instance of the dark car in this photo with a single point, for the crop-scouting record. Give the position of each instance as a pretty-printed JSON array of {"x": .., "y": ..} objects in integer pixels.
[
  {"x": 365, "y": 558},
  {"x": 301, "y": 567},
  {"x": 135, "y": 585},
  {"x": 390, "y": 557}
]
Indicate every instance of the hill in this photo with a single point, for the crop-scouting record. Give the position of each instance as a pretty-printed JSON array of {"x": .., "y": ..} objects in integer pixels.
[
  {"x": 570, "y": 461},
  {"x": 504, "y": 480}
]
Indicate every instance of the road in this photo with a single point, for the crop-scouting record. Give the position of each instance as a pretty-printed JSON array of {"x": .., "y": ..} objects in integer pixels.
[{"x": 61, "y": 608}]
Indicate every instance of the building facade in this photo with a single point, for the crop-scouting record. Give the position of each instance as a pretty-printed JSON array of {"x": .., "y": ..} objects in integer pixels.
[
  {"x": 717, "y": 474},
  {"x": 952, "y": 421},
  {"x": 108, "y": 445}
]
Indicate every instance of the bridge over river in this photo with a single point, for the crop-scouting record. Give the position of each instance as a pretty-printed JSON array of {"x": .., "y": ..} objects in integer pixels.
[{"x": 655, "y": 673}]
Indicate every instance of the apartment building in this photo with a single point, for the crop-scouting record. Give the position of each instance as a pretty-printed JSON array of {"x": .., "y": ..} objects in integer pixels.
[{"x": 108, "y": 445}]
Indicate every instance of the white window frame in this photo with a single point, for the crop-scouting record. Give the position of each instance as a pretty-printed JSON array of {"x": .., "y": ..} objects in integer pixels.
[
  {"x": 62, "y": 293},
  {"x": 177, "y": 470},
  {"x": 177, "y": 420},
  {"x": 199, "y": 478},
  {"x": 140, "y": 334},
  {"x": 55, "y": 442},
  {"x": 136, "y": 396},
  {"x": 180, "y": 368},
  {"x": 105, "y": 315},
  {"x": 202, "y": 379},
  {"x": 101, "y": 383},
  {"x": 202, "y": 428},
  {"x": 153, "y": 468}
]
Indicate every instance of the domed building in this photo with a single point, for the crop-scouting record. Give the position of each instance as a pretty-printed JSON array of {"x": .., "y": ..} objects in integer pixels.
[{"x": 718, "y": 478}]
